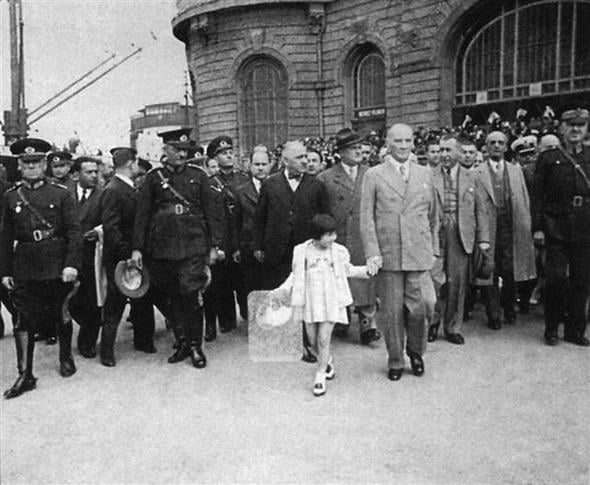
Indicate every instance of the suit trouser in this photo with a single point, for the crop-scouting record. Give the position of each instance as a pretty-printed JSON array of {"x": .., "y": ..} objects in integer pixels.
[
  {"x": 437, "y": 274},
  {"x": 84, "y": 307},
  {"x": 456, "y": 268},
  {"x": 218, "y": 299},
  {"x": 114, "y": 306},
  {"x": 407, "y": 297},
  {"x": 563, "y": 293}
]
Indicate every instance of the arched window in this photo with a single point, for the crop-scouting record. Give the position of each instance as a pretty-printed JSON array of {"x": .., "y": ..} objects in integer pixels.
[
  {"x": 263, "y": 86},
  {"x": 369, "y": 82},
  {"x": 525, "y": 49}
]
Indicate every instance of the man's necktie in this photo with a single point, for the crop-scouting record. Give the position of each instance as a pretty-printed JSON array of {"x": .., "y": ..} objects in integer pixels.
[
  {"x": 84, "y": 197},
  {"x": 402, "y": 171}
]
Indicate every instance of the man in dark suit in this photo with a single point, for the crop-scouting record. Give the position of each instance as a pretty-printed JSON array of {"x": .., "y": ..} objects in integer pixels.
[
  {"x": 561, "y": 221},
  {"x": 243, "y": 228},
  {"x": 119, "y": 203},
  {"x": 343, "y": 184},
  {"x": 288, "y": 202},
  {"x": 84, "y": 306}
]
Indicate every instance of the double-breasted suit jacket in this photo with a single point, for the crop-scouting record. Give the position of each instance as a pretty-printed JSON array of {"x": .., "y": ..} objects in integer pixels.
[
  {"x": 522, "y": 239},
  {"x": 472, "y": 218},
  {"x": 399, "y": 221},
  {"x": 344, "y": 199},
  {"x": 283, "y": 216}
]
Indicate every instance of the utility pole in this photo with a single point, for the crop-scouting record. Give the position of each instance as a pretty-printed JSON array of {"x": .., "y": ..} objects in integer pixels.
[{"x": 15, "y": 120}]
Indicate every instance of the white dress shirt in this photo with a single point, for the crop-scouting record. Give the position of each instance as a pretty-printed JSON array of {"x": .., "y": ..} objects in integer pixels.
[
  {"x": 351, "y": 171},
  {"x": 257, "y": 184},
  {"x": 294, "y": 183}
]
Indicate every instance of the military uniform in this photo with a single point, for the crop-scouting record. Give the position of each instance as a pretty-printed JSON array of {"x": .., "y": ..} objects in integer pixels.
[
  {"x": 176, "y": 224},
  {"x": 561, "y": 209},
  {"x": 39, "y": 237},
  {"x": 4, "y": 295}
]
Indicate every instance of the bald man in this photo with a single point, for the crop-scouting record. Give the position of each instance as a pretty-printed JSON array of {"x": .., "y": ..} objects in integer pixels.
[
  {"x": 399, "y": 228},
  {"x": 506, "y": 200},
  {"x": 287, "y": 203}
]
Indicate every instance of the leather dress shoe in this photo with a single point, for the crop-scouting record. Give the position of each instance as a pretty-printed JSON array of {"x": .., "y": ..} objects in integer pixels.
[
  {"x": 394, "y": 374},
  {"x": 24, "y": 383},
  {"x": 147, "y": 348},
  {"x": 67, "y": 367},
  {"x": 494, "y": 324},
  {"x": 551, "y": 339},
  {"x": 433, "y": 333},
  {"x": 455, "y": 338},
  {"x": 577, "y": 340},
  {"x": 308, "y": 357},
  {"x": 108, "y": 361},
  {"x": 417, "y": 364},
  {"x": 371, "y": 335},
  {"x": 198, "y": 357},
  {"x": 51, "y": 340},
  {"x": 87, "y": 352},
  {"x": 181, "y": 353},
  {"x": 510, "y": 318}
]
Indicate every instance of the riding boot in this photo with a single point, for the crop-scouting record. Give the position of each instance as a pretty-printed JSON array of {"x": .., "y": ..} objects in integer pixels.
[
  {"x": 67, "y": 367},
  {"x": 107, "y": 345},
  {"x": 26, "y": 381}
]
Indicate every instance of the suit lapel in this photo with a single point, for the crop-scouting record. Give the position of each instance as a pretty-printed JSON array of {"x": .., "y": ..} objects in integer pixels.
[
  {"x": 393, "y": 178},
  {"x": 342, "y": 178},
  {"x": 486, "y": 180},
  {"x": 250, "y": 192},
  {"x": 439, "y": 184}
]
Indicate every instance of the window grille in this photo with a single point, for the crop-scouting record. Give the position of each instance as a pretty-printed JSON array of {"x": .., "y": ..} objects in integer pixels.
[
  {"x": 263, "y": 103},
  {"x": 369, "y": 82},
  {"x": 529, "y": 48}
]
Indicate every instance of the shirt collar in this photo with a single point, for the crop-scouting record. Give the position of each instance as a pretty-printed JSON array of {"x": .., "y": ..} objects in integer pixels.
[
  {"x": 257, "y": 184},
  {"x": 80, "y": 191},
  {"x": 125, "y": 179}
]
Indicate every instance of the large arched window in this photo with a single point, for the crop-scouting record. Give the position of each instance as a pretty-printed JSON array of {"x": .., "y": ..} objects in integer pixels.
[
  {"x": 263, "y": 87},
  {"x": 524, "y": 49}
]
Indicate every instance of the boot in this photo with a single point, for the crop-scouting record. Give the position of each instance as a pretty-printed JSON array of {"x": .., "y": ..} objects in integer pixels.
[
  {"x": 67, "y": 367},
  {"x": 182, "y": 349},
  {"x": 197, "y": 356},
  {"x": 433, "y": 332},
  {"x": 26, "y": 381},
  {"x": 107, "y": 345}
]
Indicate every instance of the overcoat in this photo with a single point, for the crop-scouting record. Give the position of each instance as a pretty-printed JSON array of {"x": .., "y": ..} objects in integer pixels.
[
  {"x": 522, "y": 238},
  {"x": 344, "y": 200}
]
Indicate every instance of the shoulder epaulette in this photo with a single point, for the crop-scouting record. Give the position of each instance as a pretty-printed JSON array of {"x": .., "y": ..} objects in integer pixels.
[
  {"x": 194, "y": 165},
  {"x": 56, "y": 184},
  {"x": 154, "y": 169},
  {"x": 15, "y": 186}
]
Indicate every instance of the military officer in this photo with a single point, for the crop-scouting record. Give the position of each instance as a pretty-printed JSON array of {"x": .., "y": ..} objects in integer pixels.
[
  {"x": 177, "y": 229},
  {"x": 225, "y": 275},
  {"x": 39, "y": 257},
  {"x": 60, "y": 163},
  {"x": 561, "y": 221}
]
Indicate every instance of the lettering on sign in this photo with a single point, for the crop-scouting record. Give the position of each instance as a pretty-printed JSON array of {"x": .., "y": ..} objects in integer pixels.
[
  {"x": 369, "y": 113},
  {"x": 535, "y": 89},
  {"x": 481, "y": 97}
]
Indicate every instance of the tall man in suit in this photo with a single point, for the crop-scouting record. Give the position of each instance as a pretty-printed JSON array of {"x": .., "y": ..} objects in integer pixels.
[
  {"x": 119, "y": 204},
  {"x": 464, "y": 223},
  {"x": 84, "y": 306},
  {"x": 288, "y": 202},
  {"x": 243, "y": 228},
  {"x": 506, "y": 202},
  {"x": 561, "y": 201},
  {"x": 343, "y": 184},
  {"x": 399, "y": 228}
]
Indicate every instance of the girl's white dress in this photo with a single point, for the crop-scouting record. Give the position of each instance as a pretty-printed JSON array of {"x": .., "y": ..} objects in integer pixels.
[{"x": 321, "y": 300}]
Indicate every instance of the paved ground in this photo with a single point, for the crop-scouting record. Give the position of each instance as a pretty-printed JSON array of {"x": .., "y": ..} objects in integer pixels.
[{"x": 502, "y": 409}]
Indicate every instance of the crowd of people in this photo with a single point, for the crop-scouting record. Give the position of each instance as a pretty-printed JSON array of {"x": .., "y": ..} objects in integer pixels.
[{"x": 405, "y": 232}]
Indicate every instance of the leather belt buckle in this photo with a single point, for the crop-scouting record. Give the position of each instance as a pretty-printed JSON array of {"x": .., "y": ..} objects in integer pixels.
[
  {"x": 178, "y": 209},
  {"x": 577, "y": 201},
  {"x": 37, "y": 235}
]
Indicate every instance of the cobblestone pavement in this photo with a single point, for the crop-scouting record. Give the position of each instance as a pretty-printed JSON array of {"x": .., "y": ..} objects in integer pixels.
[{"x": 503, "y": 408}]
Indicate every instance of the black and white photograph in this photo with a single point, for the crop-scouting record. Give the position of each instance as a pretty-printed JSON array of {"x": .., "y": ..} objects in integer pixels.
[{"x": 288, "y": 242}]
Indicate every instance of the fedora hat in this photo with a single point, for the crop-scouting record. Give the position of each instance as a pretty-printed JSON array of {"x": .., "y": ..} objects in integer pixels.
[
  {"x": 483, "y": 264},
  {"x": 131, "y": 281},
  {"x": 346, "y": 137}
]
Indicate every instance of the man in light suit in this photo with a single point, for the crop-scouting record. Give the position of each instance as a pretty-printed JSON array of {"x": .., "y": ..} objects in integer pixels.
[
  {"x": 464, "y": 223},
  {"x": 399, "y": 228},
  {"x": 343, "y": 184},
  {"x": 506, "y": 202}
]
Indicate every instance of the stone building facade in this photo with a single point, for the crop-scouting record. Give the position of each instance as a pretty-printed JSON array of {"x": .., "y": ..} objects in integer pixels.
[{"x": 265, "y": 71}]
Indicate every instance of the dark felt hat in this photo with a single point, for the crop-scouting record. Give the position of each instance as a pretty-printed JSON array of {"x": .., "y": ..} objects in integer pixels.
[
  {"x": 122, "y": 155},
  {"x": 131, "y": 281},
  {"x": 483, "y": 264},
  {"x": 346, "y": 137},
  {"x": 30, "y": 148},
  {"x": 218, "y": 145}
]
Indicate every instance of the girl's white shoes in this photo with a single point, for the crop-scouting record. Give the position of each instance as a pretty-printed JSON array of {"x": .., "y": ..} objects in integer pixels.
[{"x": 319, "y": 386}]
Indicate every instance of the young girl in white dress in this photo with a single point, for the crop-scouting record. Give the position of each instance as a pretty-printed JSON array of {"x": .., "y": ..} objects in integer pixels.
[{"x": 318, "y": 291}]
